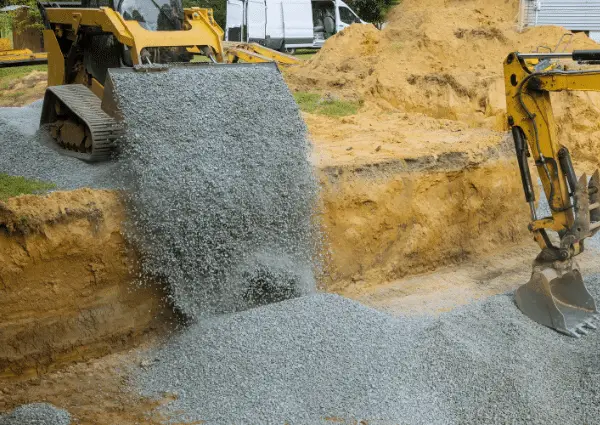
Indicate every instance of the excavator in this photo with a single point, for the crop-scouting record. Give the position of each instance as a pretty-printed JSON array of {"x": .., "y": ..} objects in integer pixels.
[
  {"x": 84, "y": 41},
  {"x": 556, "y": 295}
]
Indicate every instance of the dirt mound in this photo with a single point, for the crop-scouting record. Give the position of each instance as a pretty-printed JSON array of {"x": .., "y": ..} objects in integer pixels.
[
  {"x": 442, "y": 59},
  {"x": 66, "y": 278}
]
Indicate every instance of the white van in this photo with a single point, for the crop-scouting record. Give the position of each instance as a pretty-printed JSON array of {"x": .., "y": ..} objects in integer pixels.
[{"x": 287, "y": 24}]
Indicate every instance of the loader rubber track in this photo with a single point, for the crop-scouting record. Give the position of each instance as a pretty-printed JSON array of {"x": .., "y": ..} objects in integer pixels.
[{"x": 86, "y": 106}]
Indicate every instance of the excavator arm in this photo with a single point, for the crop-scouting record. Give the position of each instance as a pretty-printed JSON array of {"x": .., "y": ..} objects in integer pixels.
[{"x": 556, "y": 295}]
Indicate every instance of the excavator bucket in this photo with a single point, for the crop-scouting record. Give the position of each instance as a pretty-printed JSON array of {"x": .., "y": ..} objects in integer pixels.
[{"x": 559, "y": 300}]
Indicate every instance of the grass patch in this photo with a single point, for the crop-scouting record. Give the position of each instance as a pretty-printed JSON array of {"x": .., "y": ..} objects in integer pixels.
[
  {"x": 20, "y": 71},
  {"x": 13, "y": 186},
  {"x": 9, "y": 75},
  {"x": 305, "y": 54},
  {"x": 314, "y": 103}
]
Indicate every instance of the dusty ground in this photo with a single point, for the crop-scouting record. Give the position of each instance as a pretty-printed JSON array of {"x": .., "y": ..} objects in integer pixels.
[{"x": 449, "y": 287}]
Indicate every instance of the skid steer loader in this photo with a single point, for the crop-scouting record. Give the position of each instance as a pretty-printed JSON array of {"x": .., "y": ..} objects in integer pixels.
[
  {"x": 85, "y": 40},
  {"x": 556, "y": 295}
]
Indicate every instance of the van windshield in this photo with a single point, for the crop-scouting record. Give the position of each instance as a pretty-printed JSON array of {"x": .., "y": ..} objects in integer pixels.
[
  {"x": 347, "y": 16},
  {"x": 153, "y": 15}
]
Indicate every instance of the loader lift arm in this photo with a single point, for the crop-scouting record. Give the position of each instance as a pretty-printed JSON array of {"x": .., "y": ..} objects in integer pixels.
[{"x": 556, "y": 295}]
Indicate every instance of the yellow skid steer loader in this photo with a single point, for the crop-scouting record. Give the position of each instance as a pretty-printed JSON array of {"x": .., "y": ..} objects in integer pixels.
[{"x": 84, "y": 41}]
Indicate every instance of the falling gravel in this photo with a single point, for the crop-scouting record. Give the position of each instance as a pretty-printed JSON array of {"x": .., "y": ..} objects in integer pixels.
[
  {"x": 323, "y": 357},
  {"x": 25, "y": 152},
  {"x": 36, "y": 414},
  {"x": 220, "y": 190}
]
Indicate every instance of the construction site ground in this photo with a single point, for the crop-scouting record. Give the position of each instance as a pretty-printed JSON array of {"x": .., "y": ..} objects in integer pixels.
[{"x": 420, "y": 201}]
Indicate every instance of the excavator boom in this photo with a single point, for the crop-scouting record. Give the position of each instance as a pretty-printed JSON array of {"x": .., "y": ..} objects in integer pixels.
[{"x": 556, "y": 295}]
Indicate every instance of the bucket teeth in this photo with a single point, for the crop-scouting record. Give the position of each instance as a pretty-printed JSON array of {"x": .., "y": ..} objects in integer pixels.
[
  {"x": 582, "y": 330},
  {"x": 590, "y": 325}
]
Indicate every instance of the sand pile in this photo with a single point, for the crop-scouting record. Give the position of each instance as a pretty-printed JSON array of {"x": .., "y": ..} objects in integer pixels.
[{"x": 446, "y": 65}]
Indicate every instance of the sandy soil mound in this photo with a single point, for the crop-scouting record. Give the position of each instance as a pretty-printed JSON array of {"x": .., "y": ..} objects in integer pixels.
[
  {"x": 66, "y": 282},
  {"x": 444, "y": 65}
]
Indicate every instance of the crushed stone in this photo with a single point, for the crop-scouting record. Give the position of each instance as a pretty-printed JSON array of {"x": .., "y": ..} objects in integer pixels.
[
  {"x": 220, "y": 190},
  {"x": 22, "y": 153},
  {"x": 36, "y": 414},
  {"x": 323, "y": 357}
]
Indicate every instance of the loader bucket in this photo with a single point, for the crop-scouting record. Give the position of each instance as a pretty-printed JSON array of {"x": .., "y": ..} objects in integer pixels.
[{"x": 559, "y": 300}]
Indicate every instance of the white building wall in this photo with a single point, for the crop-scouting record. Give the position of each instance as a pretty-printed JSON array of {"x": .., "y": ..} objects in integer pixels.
[{"x": 574, "y": 15}]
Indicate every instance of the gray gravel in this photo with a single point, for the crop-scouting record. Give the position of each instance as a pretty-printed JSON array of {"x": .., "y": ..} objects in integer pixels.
[
  {"x": 36, "y": 414},
  {"x": 23, "y": 154},
  {"x": 219, "y": 185},
  {"x": 322, "y": 356}
]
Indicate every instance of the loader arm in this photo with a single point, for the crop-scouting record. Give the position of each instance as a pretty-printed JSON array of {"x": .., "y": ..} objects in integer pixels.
[
  {"x": 555, "y": 295},
  {"x": 200, "y": 29}
]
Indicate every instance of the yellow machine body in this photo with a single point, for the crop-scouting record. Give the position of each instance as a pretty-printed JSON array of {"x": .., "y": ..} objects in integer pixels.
[
  {"x": 18, "y": 57},
  {"x": 556, "y": 295},
  {"x": 199, "y": 29},
  {"x": 255, "y": 53},
  {"x": 84, "y": 43}
]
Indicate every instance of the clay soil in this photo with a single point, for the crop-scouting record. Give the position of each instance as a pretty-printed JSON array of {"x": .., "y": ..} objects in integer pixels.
[{"x": 67, "y": 280}]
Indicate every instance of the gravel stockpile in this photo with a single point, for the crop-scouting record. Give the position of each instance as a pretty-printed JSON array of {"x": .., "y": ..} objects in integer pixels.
[
  {"x": 36, "y": 414},
  {"x": 322, "y": 356},
  {"x": 220, "y": 188},
  {"x": 23, "y": 154}
]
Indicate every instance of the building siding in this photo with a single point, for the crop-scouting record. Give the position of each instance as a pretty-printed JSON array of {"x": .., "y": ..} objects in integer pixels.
[{"x": 574, "y": 15}]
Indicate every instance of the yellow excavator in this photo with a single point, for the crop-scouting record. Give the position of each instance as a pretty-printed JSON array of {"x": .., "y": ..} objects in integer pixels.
[
  {"x": 556, "y": 295},
  {"x": 85, "y": 40}
]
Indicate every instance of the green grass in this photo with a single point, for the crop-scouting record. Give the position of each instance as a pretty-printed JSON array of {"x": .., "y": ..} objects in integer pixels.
[
  {"x": 305, "y": 54},
  {"x": 314, "y": 103},
  {"x": 9, "y": 75},
  {"x": 13, "y": 186},
  {"x": 20, "y": 71},
  {"x": 200, "y": 58}
]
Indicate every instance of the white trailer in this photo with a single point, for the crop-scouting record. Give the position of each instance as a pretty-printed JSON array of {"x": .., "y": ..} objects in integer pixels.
[{"x": 287, "y": 25}]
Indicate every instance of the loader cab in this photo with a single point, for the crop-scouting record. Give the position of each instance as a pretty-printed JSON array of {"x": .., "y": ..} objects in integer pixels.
[
  {"x": 154, "y": 15},
  {"x": 100, "y": 51}
]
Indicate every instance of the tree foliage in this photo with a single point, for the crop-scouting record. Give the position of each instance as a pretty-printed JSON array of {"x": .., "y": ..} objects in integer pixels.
[
  {"x": 373, "y": 11},
  {"x": 24, "y": 19}
]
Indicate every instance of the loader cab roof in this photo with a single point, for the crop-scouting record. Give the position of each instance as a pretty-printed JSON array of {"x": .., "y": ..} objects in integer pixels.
[{"x": 153, "y": 15}]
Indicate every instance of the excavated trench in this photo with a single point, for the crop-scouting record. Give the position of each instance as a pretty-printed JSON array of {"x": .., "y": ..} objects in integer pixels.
[
  {"x": 68, "y": 276},
  {"x": 67, "y": 283}
]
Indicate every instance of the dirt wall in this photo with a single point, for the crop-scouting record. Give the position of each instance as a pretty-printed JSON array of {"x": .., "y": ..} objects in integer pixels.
[
  {"x": 66, "y": 283},
  {"x": 384, "y": 223}
]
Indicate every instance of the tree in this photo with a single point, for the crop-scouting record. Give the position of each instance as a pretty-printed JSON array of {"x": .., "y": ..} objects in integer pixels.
[
  {"x": 373, "y": 11},
  {"x": 31, "y": 19}
]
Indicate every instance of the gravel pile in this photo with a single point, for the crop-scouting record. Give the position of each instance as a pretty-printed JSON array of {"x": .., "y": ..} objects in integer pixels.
[
  {"x": 22, "y": 153},
  {"x": 322, "y": 356},
  {"x": 219, "y": 186},
  {"x": 36, "y": 414}
]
